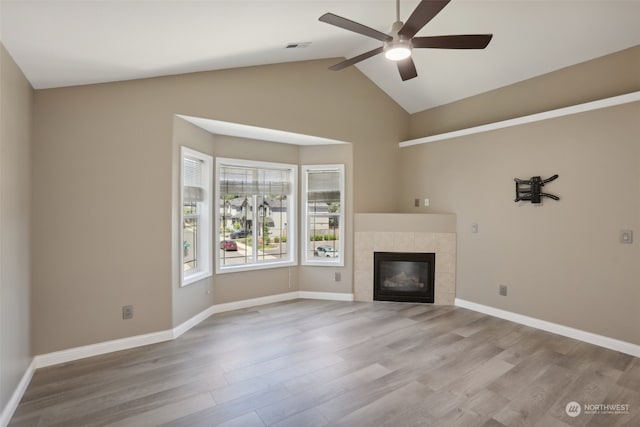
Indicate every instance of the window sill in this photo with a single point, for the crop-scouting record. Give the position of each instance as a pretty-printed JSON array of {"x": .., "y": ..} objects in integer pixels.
[
  {"x": 252, "y": 267},
  {"x": 195, "y": 277},
  {"x": 332, "y": 263}
]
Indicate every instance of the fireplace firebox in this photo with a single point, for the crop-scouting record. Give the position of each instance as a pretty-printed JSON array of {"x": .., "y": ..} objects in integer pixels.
[{"x": 404, "y": 276}]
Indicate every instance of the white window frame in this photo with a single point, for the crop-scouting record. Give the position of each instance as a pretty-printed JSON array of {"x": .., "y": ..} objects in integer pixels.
[
  {"x": 340, "y": 259},
  {"x": 292, "y": 215},
  {"x": 204, "y": 269}
]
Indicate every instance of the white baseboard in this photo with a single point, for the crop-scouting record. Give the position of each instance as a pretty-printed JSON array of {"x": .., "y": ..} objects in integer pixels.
[
  {"x": 578, "y": 334},
  {"x": 14, "y": 400},
  {"x": 331, "y": 296},
  {"x": 230, "y": 306},
  {"x": 254, "y": 302},
  {"x": 91, "y": 350}
]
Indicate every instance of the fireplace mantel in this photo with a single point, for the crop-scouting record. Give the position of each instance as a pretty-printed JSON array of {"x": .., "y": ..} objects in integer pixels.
[{"x": 405, "y": 233}]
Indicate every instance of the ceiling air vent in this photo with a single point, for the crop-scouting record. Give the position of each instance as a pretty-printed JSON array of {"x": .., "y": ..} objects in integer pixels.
[{"x": 297, "y": 45}]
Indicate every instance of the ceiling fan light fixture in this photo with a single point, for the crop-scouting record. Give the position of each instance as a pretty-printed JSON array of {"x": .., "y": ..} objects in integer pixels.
[
  {"x": 397, "y": 51},
  {"x": 398, "y": 48}
]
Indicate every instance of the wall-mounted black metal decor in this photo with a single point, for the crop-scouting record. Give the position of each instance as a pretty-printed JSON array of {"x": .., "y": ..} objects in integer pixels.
[{"x": 529, "y": 190}]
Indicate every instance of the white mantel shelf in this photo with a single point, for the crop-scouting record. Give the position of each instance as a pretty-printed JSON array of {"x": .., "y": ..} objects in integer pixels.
[{"x": 574, "y": 109}]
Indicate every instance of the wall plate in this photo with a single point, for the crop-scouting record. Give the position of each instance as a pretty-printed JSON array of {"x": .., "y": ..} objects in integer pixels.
[{"x": 626, "y": 236}]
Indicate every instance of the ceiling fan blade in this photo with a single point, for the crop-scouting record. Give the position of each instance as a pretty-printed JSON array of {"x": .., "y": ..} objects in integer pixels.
[
  {"x": 407, "y": 69},
  {"x": 347, "y": 24},
  {"x": 424, "y": 12},
  {"x": 356, "y": 59},
  {"x": 463, "y": 41}
]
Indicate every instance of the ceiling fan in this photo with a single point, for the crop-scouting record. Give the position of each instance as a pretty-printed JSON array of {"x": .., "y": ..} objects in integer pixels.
[{"x": 397, "y": 45}]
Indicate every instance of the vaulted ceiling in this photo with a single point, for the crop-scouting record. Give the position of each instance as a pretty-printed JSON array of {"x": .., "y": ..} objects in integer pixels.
[{"x": 63, "y": 43}]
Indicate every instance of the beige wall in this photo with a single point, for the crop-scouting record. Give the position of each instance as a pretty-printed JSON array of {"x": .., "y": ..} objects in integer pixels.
[
  {"x": 562, "y": 261},
  {"x": 16, "y": 103},
  {"x": 103, "y": 175}
]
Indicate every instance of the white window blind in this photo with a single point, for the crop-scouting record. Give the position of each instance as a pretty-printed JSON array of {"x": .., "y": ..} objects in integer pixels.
[
  {"x": 324, "y": 186},
  {"x": 253, "y": 181},
  {"x": 193, "y": 179}
]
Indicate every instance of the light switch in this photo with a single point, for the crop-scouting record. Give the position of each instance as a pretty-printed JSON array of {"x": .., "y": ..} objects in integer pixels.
[{"x": 626, "y": 236}]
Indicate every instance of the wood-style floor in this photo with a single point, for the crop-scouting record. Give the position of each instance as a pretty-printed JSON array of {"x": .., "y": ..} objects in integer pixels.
[{"x": 312, "y": 363}]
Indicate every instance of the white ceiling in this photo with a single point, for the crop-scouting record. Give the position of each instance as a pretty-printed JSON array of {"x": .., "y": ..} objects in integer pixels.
[{"x": 62, "y": 43}]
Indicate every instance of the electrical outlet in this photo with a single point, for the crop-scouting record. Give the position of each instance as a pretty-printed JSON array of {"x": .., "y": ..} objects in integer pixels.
[
  {"x": 416, "y": 203},
  {"x": 426, "y": 203},
  {"x": 337, "y": 276},
  {"x": 127, "y": 312},
  {"x": 503, "y": 290},
  {"x": 474, "y": 228}
]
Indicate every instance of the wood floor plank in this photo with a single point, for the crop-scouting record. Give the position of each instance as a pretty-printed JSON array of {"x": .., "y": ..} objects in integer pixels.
[
  {"x": 316, "y": 395},
  {"x": 311, "y": 363},
  {"x": 311, "y": 417},
  {"x": 250, "y": 419},
  {"x": 484, "y": 402},
  {"x": 167, "y": 413},
  {"x": 536, "y": 400},
  {"x": 403, "y": 406},
  {"x": 362, "y": 395}
]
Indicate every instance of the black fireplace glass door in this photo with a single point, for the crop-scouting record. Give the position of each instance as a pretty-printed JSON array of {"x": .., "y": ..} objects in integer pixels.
[{"x": 400, "y": 276}]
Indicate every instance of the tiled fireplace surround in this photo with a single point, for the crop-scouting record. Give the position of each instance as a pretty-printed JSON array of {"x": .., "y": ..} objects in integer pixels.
[{"x": 406, "y": 233}]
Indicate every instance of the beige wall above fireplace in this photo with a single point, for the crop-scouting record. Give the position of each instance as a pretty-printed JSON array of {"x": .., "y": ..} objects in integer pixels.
[{"x": 406, "y": 233}]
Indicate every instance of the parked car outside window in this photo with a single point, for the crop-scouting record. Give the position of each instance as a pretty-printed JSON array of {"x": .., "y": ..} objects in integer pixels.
[
  {"x": 326, "y": 251},
  {"x": 240, "y": 233},
  {"x": 229, "y": 245}
]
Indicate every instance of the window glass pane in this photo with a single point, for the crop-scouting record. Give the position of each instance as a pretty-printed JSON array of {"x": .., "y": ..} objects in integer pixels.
[
  {"x": 192, "y": 194},
  {"x": 190, "y": 235},
  {"x": 324, "y": 237},
  {"x": 236, "y": 225},
  {"x": 196, "y": 215},
  {"x": 254, "y": 212},
  {"x": 272, "y": 231}
]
